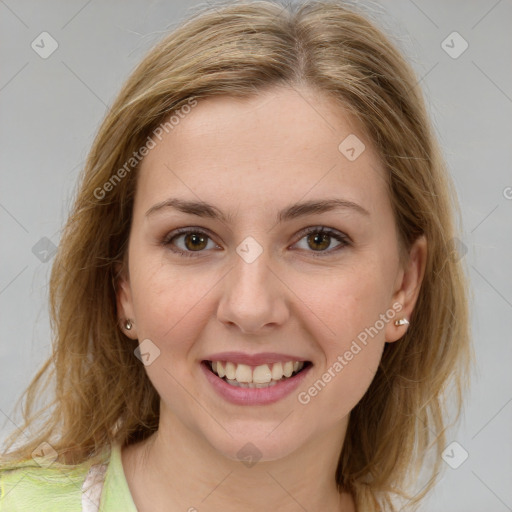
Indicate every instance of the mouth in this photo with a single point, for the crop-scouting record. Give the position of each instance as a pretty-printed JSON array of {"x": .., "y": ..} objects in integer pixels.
[{"x": 261, "y": 376}]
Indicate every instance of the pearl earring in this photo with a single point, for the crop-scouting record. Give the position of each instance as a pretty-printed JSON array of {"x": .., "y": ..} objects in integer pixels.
[{"x": 128, "y": 325}]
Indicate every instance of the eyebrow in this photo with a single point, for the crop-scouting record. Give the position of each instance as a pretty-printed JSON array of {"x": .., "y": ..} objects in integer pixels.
[{"x": 203, "y": 209}]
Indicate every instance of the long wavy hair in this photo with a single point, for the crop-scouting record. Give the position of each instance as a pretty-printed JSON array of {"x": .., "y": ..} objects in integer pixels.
[{"x": 101, "y": 393}]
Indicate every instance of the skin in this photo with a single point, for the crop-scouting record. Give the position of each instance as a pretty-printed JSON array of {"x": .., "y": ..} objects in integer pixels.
[{"x": 252, "y": 157}]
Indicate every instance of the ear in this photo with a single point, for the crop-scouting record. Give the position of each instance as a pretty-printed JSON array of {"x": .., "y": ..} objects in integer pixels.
[
  {"x": 124, "y": 300},
  {"x": 407, "y": 287}
]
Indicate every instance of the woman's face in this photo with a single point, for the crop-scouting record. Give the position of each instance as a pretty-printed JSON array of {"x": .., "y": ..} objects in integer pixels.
[{"x": 255, "y": 277}]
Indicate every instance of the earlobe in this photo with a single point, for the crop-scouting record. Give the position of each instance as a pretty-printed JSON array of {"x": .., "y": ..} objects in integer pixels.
[
  {"x": 407, "y": 288},
  {"x": 125, "y": 315}
]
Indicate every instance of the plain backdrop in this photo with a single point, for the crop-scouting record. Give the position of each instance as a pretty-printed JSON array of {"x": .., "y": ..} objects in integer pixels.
[{"x": 52, "y": 107}]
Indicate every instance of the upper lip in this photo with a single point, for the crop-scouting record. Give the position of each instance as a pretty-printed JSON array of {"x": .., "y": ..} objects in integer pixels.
[{"x": 254, "y": 359}]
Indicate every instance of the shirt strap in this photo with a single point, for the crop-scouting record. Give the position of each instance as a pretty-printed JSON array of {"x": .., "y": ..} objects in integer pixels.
[{"x": 92, "y": 488}]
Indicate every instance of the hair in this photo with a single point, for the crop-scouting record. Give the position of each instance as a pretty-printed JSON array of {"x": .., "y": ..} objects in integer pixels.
[{"x": 238, "y": 50}]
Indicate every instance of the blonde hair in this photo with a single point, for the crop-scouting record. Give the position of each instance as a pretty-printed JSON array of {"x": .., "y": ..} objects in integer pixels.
[{"x": 239, "y": 49}]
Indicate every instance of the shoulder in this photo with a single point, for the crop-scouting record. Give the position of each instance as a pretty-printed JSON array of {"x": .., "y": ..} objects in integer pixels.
[{"x": 29, "y": 486}]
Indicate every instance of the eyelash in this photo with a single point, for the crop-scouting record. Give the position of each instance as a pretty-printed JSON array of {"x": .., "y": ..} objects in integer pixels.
[{"x": 337, "y": 235}]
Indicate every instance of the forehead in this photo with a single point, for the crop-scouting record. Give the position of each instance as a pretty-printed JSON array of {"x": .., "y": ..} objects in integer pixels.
[{"x": 281, "y": 145}]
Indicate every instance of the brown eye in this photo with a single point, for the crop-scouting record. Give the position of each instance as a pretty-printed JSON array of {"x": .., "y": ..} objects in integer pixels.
[
  {"x": 188, "y": 241},
  {"x": 195, "y": 241},
  {"x": 319, "y": 240}
]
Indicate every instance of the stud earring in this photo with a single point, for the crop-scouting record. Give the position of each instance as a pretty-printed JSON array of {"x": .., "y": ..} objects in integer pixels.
[
  {"x": 402, "y": 321},
  {"x": 128, "y": 325}
]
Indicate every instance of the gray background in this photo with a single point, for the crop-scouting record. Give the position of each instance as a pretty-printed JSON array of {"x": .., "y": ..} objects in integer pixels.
[{"x": 51, "y": 109}]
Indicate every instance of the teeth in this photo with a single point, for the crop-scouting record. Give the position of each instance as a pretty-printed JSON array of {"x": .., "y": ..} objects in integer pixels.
[
  {"x": 230, "y": 371},
  {"x": 288, "y": 369},
  {"x": 277, "y": 371},
  {"x": 243, "y": 373},
  {"x": 250, "y": 384},
  {"x": 261, "y": 376}
]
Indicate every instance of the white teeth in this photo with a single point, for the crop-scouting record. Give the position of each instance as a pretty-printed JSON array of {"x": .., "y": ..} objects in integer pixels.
[
  {"x": 288, "y": 369},
  {"x": 243, "y": 373},
  {"x": 277, "y": 371},
  {"x": 230, "y": 371},
  {"x": 260, "y": 376}
]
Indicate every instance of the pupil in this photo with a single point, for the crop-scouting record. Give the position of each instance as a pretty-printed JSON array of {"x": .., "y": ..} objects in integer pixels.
[
  {"x": 194, "y": 238},
  {"x": 320, "y": 239}
]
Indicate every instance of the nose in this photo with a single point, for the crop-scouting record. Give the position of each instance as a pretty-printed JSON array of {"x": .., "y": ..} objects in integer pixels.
[{"x": 253, "y": 298}]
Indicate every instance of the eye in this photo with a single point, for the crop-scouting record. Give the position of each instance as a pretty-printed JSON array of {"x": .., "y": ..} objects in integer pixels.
[
  {"x": 318, "y": 239},
  {"x": 192, "y": 240},
  {"x": 187, "y": 241}
]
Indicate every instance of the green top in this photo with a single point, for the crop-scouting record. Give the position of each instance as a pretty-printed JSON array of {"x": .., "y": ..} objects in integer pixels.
[{"x": 29, "y": 486}]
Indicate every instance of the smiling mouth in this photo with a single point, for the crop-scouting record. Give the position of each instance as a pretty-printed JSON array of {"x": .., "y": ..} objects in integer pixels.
[{"x": 262, "y": 376}]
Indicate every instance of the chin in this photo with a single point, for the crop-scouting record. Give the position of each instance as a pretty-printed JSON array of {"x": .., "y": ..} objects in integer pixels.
[{"x": 253, "y": 444}]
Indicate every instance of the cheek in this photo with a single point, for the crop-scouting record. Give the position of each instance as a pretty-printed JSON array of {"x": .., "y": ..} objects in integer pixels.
[
  {"x": 345, "y": 301},
  {"x": 353, "y": 306},
  {"x": 170, "y": 302},
  {"x": 171, "y": 307},
  {"x": 340, "y": 388},
  {"x": 350, "y": 358}
]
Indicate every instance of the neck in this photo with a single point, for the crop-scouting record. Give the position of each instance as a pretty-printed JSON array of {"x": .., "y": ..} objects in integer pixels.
[{"x": 177, "y": 470}]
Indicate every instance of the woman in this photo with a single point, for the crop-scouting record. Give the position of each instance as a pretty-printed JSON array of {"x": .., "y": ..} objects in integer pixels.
[{"x": 255, "y": 301}]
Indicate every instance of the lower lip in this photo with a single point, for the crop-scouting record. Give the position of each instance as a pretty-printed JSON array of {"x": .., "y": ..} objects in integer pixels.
[{"x": 254, "y": 396}]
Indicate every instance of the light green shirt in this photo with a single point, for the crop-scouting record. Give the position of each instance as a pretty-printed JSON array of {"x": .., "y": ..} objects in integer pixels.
[{"x": 30, "y": 487}]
